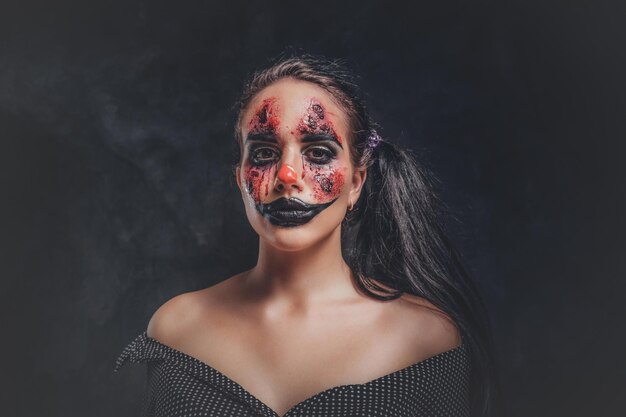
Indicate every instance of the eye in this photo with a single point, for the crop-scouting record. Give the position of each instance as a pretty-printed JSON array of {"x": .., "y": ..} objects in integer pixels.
[
  {"x": 320, "y": 155},
  {"x": 263, "y": 156}
]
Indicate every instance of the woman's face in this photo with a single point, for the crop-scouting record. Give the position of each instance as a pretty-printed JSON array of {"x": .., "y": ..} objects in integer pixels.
[{"x": 296, "y": 176}]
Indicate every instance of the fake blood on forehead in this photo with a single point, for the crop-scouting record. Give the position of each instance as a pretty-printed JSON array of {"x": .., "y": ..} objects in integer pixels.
[
  {"x": 265, "y": 119},
  {"x": 328, "y": 180},
  {"x": 315, "y": 120}
]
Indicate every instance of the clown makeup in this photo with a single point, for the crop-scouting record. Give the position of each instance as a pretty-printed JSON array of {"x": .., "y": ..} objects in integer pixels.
[
  {"x": 327, "y": 177},
  {"x": 260, "y": 165},
  {"x": 322, "y": 168},
  {"x": 265, "y": 119},
  {"x": 316, "y": 122}
]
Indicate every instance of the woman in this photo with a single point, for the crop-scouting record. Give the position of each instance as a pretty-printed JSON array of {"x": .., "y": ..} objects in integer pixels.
[{"x": 391, "y": 327}]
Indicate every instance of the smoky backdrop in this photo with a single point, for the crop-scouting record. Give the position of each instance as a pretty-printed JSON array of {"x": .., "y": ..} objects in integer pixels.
[{"x": 117, "y": 194}]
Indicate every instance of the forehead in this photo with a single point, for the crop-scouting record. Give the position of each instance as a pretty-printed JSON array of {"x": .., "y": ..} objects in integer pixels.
[{"x": 290, "y": 99}]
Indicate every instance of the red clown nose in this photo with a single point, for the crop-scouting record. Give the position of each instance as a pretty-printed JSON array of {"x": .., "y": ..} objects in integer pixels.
[{"x": 287, "y": 174}]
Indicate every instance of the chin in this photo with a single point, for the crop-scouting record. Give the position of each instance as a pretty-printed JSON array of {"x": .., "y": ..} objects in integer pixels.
[
  {"x": 290, "y": 241},
  {"x": 293, "y": 238}
]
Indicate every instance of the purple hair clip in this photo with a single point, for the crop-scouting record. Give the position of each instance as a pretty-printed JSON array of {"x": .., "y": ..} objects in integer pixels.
[{"x": 373, "y": 139}]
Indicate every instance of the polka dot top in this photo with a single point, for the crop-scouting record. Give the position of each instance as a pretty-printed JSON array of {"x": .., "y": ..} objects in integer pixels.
[{"x": 180, "y": 385}]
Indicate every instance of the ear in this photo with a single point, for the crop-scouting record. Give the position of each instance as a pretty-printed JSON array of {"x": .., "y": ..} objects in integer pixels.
[
  {"x": 237, "y": 177},
  {"x": 358, "y": 180}
]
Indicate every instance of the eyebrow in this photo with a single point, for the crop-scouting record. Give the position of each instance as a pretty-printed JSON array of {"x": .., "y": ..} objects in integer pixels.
[
  {"x": 271, "y": 138},
  {"x": 261, "y": 137},
  {"x": 320, "y": 137}
]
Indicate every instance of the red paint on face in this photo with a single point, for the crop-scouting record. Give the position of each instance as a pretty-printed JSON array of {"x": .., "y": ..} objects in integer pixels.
[
  {"x": 316, "y": 120},
  {"x": 265, "y": 119},
  {"x": 254, "y": 178},
  {"x": 328, "y": 181},
  {"x": 328, "y": 185},
  {"x": 287, "y": 174}
]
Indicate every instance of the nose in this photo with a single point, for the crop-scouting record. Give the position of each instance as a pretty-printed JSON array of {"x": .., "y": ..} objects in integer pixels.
[{"x": 287, "y": 174}]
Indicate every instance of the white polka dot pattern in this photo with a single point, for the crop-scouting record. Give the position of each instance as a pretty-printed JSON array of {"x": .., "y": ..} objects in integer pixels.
[{"x": 180, "y": 385}]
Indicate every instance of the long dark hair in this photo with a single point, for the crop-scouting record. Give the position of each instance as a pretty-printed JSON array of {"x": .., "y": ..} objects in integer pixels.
[{"x": 397, "y": 223}]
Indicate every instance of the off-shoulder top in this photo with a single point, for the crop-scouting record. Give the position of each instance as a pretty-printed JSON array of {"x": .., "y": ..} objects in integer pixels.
[{"x": 180, "y": 385}]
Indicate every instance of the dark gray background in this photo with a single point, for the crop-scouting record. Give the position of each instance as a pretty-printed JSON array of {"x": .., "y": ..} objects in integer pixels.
[{"x": 115, "y": 119}]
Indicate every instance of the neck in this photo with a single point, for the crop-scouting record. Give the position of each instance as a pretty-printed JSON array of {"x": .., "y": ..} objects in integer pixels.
[{"x": 299, "y": 279}]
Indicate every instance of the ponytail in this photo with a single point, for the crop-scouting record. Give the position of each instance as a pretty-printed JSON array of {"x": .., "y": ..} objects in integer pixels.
[
  {"x": 395, "y": 233},
  {"x": 401, "y": 242}
]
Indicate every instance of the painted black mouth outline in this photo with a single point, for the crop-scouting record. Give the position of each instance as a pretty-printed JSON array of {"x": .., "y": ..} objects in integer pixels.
[{"x": 290, "y": 212}]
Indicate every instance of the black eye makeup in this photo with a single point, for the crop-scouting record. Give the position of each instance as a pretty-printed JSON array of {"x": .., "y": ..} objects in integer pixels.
[
  {"x": 322, "y": 151},
  {"x": 320, "y": 155},
  {"x": 260, "y": 156}
]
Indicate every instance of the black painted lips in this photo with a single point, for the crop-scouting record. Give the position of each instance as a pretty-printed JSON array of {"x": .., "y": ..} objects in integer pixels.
[{"x": 290, "y": 212}]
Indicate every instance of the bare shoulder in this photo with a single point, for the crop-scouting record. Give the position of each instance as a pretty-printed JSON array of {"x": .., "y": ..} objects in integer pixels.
[
  {"x": 422, "y": 329},
  {"x": 176, "y": 320},
  {"x": 170, "y": 321},
  {"x": 429, "y": 329}
]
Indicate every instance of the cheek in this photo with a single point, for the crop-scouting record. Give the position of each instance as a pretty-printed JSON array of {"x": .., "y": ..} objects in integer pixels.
[
  {"x": 327, "y": 181},
  {"x": 257, "y": 181}
]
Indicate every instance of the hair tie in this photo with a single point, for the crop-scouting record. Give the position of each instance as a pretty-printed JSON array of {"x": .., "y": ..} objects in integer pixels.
[{"x": 373, "y": 139}]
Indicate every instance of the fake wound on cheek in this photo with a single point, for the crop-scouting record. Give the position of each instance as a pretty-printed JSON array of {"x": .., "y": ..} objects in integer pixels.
[
  {"x": 264, "y": 120},
  {"x": 257, "y": 181},
  {"x": 316, "y": 121},
  {"x": 328, "y": 182}
]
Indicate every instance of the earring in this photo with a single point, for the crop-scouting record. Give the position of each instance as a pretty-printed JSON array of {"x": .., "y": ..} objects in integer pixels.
[{"x": 350, "y": 206}]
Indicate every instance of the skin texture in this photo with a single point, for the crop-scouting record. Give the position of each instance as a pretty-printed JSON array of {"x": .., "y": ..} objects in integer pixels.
[
  {"x": 295, "y": 324},
  {"x": 304, "y": 112}
]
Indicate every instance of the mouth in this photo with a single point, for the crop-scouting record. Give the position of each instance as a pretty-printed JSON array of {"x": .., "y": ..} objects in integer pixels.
[{"x": 290, "y": 212}]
